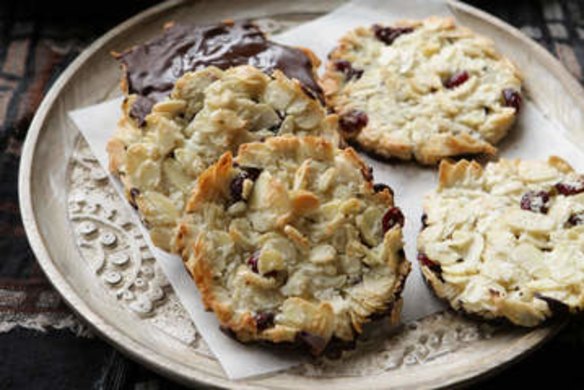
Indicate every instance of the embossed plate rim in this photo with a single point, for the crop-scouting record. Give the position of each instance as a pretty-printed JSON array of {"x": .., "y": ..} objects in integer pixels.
[{"x": 146, "y": 353}]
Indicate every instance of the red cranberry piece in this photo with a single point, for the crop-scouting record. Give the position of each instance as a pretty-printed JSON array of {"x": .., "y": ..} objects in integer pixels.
[
  {"x": 425, "y": 260},
  {"x": 343, "y": 66},
  {"x": 252, "y": 261},
  {"x": 431, "y": 264},
  {"x": 568, "y": 189},
  {"x": 512, "y": 98},
  {"x": 348, "y": 70},
  {"x": 236, "y": 186},
  {"x": 456, "y": 79},
  {"x": 264, "y": 320},
  {"x": 576, "y": 219},
  {"x": 388, "y": 35},
  {"x": 353, "y": 121},
  {"x": 272, "y": 274},
  {"x": 392, "y": 217},
  {"x": 535, "y": 201}
]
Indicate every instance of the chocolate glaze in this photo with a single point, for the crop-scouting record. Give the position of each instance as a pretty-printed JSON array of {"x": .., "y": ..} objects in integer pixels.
[{"x": 153, "y": 68}]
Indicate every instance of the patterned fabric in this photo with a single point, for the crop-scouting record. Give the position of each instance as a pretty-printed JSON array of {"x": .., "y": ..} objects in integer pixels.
[{"x": 37, "y": 42}]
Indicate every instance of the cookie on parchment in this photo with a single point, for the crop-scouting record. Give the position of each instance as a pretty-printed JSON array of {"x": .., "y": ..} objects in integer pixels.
[
  {"x": 507, "y": 240},
  {"x": 422, "y": 90},
  {"x": 292, "y": 243},
  {"x": 208, "y": 113}
]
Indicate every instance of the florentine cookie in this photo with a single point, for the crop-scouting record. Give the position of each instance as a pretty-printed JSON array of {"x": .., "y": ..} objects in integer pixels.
[
  {"x": 507, "y": 240},
  {"x": 422, "y": 90},
  {"x": 209, "y": 112},
  {"x": 292, "y": 243},
  {"x": 150, "y": 70}
]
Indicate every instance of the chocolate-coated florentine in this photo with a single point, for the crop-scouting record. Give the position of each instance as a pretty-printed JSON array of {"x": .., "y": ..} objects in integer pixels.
[{"x": 152, "y": 69}]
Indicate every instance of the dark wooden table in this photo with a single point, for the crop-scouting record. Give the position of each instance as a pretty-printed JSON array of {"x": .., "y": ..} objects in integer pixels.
[{"x": 42, "y": 344}]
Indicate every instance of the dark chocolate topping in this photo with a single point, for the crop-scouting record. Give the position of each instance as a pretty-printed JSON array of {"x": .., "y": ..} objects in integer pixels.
[{"x": 153, "y": 68}]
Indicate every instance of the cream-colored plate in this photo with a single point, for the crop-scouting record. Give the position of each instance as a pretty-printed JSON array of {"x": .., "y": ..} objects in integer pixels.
[{"x": 99, "y": 263}]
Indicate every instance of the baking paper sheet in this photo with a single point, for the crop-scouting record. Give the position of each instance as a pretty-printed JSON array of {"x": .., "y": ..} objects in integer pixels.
[{"x": 534, "y": 137}]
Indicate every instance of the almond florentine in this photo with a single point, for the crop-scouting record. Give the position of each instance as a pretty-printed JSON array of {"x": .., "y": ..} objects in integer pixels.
[
  {"x": 507, "y": 240},
  {"x": 423, "y": 90},
  {"x": 304, "y": 258}
]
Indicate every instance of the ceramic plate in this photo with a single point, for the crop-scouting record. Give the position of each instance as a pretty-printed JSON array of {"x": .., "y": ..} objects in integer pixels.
[{"x": 98, "y": 261}]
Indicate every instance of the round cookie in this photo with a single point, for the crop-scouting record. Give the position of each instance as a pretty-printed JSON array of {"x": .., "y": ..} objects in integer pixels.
[
  {"x": 292, "y": 243},
  {"x": 507, "y": 240},
  {"x": 422, "y": 90},
  {"x": 209, "y": 112}
]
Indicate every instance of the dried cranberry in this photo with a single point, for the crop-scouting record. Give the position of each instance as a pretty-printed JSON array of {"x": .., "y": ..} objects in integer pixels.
[
  {"x": 535, "y": 201},
  {"x": 343, "y": 66},
  {"x": 425, "y": 260},
  {"x": 272, "y": 274},
  {"x": 392, "y": 217},
  {"x": 264, "y": 320},
  {"x": 252, "y": 261},
  {"x": 353, "y": 121},
  {"x": 512, "y": 98},
  {"x": 432, "y": 265},
  {"x": 456, "y": 79},
  {"x": 576, "y": 219},
  {"x": 348, "y": 70},
  {"x": 389, "y": 34},
  {"x": 568, "y": 189},
  {"x": 236, "y": 186}
]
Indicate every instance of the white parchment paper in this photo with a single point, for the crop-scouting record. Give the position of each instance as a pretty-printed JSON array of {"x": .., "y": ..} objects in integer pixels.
[
  {"x": 534, "y": 137},
  {"x": 97, "y": 124}
]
